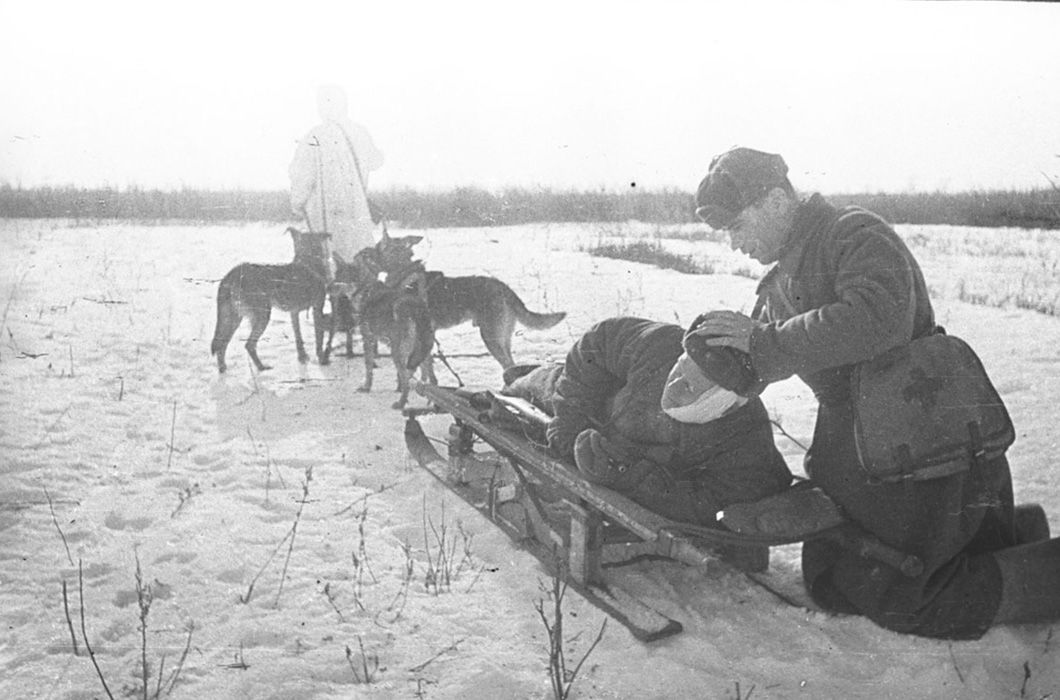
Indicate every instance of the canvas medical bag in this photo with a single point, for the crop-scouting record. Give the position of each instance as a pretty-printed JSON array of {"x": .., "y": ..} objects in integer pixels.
[{"x": 926, "y": 410}]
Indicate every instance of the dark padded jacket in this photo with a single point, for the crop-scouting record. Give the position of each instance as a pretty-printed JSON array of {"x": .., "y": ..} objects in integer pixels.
[
  {"x": 845, "y": 289},
  {"x": 613, "y": 379}
]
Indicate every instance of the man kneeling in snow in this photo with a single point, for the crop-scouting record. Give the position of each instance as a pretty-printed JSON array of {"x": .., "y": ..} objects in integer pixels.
[{"x": 677, "y": 428}]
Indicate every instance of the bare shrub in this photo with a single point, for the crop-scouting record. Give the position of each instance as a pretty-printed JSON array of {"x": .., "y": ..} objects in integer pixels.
[
  {"x": 444, "y": 562},
  {"x": 652, "y": 253},
  {"x": 288, "y": 538},
  {"x": 560, "y": 676},
  {"x": 367, "y": 663},
  {"x": 144, "y": 599}
]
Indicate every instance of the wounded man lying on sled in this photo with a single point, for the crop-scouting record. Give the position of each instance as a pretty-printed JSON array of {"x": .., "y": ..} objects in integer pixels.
[{"x": 677, "y": 427}]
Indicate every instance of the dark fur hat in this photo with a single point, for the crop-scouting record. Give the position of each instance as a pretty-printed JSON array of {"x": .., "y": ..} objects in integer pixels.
[{"x": 736, "y": 179}]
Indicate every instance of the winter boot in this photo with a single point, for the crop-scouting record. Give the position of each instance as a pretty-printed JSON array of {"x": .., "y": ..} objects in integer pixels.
[
  {"x": 1030, "y": 579},
  {"x": 1032, "y": 525}
]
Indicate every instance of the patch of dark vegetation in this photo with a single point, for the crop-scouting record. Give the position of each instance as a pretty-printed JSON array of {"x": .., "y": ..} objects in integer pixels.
[
  {"x": 1031, "y": 296},
  {"x": 652, "y": 254}
]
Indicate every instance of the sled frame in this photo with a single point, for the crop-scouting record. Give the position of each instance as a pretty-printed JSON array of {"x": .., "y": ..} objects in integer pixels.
[{"x": 585, "y": 528}]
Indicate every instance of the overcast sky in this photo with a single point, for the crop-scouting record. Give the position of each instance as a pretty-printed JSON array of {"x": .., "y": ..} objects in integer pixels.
[{"x": 570, "y": 94}]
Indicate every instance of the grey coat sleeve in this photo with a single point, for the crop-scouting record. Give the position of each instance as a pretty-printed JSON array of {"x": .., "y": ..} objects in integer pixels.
[{"x": 872, "y": 309}]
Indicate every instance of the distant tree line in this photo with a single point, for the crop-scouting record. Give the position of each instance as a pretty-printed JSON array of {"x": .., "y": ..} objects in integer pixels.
[
  {"x": 1038, "y": 208},
  {"x": 473, "y": 206}
]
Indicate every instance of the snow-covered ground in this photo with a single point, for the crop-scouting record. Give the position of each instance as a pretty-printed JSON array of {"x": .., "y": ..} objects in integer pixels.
[{"x": 121, "y": 446}]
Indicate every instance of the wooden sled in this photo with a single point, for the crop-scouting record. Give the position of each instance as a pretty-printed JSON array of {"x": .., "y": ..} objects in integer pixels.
[{"x": 581, "y": 529}]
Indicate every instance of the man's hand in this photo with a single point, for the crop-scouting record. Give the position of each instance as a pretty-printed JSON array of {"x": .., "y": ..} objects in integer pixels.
[{"x": 726, "y": 329}]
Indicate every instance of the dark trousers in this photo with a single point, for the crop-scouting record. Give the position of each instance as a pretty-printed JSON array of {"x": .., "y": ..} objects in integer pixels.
[{"x": 950, "y": 523}]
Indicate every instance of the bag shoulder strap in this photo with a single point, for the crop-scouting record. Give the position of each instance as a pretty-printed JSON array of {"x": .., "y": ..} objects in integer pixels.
[{"x": 356, "y": 162}]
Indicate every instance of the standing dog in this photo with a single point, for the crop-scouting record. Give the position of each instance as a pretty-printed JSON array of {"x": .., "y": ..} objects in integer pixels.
[
  {"x": 402, "y": 320},
  {"x": 487, "y": 302},
  {"x": 368, "y": 264},
  {"x": 250, "y": 291},
  {"x": 350, "y": 276}
]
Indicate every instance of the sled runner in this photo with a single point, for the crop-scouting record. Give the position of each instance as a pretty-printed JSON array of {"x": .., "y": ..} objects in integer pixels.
[{"x": 583, "y": 529}]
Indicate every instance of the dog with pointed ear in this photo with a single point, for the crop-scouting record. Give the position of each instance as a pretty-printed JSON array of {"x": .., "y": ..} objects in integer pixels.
[
  {"x": 390, "y": 258},
  {"x": 250, "y": 291},
  {"x": 395, "y": 252}
]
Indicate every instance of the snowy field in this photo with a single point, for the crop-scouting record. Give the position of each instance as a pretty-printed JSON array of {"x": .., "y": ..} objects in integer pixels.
[{"x": 282, "y": 534}]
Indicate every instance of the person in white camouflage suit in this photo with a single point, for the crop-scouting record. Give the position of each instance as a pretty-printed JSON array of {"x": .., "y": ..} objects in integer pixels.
[{"x": 329, "y": 176}]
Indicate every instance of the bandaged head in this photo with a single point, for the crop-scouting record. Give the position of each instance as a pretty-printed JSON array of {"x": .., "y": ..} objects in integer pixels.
[{"x": 690, "y": 396}]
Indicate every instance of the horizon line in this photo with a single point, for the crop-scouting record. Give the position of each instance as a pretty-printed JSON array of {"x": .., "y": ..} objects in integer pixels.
[{"x": 500, "y": 190}]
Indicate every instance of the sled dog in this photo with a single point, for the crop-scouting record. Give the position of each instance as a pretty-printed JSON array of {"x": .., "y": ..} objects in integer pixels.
[
  {"x": 251, "y": 291},
  {"x": 487, "y": 302},
  {"x": 368, "y": 264},
  {"x": 401, "y": 319},
  {"x": 350, "y": 276}
]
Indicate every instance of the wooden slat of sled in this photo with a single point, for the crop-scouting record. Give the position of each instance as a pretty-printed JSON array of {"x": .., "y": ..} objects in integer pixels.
[
  {"x": 643, "y": 621},
  {"x": 639, "y": 520}
]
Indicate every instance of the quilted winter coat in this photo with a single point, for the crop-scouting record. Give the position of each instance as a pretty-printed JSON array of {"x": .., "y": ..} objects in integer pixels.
[{"x": 613, "y": 379}]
